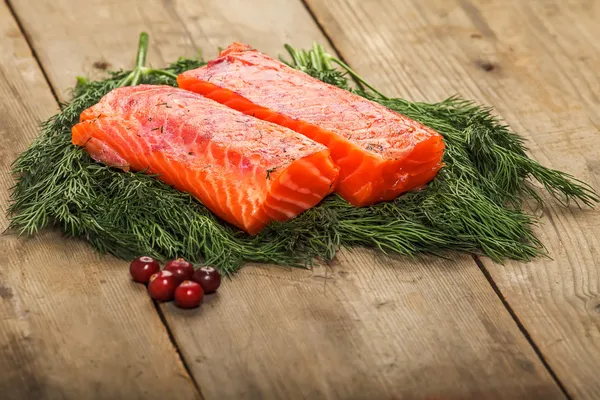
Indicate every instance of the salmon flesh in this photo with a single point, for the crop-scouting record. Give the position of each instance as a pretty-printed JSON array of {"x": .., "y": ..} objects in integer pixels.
[
  {"x": 245, "y": 170},
  {"x": 380, "y": 153}
]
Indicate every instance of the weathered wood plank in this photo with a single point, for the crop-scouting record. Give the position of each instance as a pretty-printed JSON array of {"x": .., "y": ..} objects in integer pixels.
[
  {"x": 365, "y": 326},
  {"x": 72, "y": 325},
  {"x": 537, "y": 63},
  {"x": 176, "y": 28}
]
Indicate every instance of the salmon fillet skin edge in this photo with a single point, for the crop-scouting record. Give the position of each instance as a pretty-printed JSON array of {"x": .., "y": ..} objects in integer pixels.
[
  {"x": 245, "y": 170},
  {"x": 380, "y": 153}
]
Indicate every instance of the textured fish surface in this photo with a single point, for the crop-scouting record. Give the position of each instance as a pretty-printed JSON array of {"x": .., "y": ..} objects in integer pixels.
[
  {"x": 245, "y": 170},
  {"x": 380, "y": 153}
]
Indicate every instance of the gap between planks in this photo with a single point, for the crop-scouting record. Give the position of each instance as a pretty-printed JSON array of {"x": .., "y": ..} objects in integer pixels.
[
  {"x": 54, "y": 94},
  {"x": 476, "y": 258},
  {"x": 325, "y": 34},
  {"x": 163, "y": 320},
  {"x": 32, "y": 48},
  {"x": 520, "y": 325}
]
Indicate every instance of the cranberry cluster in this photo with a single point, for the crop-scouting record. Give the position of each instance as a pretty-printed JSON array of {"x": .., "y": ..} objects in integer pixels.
[{"x": 178, "y": 280}]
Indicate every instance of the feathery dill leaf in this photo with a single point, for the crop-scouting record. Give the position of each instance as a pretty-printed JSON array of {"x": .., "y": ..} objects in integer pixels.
[{"x": 473, "y": 205}]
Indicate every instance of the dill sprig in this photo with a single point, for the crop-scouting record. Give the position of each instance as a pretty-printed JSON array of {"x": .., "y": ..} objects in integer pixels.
[{"x": 474, "y": 204}]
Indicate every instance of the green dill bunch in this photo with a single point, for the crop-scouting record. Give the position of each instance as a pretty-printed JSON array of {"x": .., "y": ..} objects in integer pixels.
[{"x": 474, "y": 205}]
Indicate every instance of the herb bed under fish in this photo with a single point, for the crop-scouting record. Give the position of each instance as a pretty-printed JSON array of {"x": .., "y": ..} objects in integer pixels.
[{"x": 474, "y": 205}]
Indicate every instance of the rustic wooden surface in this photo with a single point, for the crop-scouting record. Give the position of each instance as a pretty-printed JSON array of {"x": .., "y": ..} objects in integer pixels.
[
  {"x": 537, "y": 63},
  {"x": 343, "y": 320},
  {"x": 365, "y": 326},
  {"x": 72, "y": 325}
]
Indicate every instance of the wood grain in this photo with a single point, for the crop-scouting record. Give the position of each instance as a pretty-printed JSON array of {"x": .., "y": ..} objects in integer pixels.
[
  {"x": 72, "y": 325},
  {"x": 536, "y": 62},
  {"x": 365, "y": 326},
  {"x": 176, "y": 28}
]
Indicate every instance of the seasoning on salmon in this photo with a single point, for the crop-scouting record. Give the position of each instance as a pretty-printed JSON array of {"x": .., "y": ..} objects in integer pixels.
[
  {"x": 381, "y": 153},
  {"x": 246, "y": 171}
]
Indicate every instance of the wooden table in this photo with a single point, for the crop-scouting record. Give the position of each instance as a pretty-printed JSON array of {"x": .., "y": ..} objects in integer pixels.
[{"x": 73, "y": 326}]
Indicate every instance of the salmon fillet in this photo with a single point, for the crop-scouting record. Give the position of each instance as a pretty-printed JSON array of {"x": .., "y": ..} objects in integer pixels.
[
  {"x": 246, "y": 171},
  {"x": 381, "y": 153}
]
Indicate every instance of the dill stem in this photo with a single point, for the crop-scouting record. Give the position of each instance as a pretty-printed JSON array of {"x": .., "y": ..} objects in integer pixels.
[
  {"x": 325, "y": 58},
  {"x": 149, "y": 71},
  {"x": 127, "y": 80},
  {"x": 356, "y": 76},
  {"x": 319, "y": 60},
  {"x": 137, "y": 74},
  {"x": 140, "y": 60},
  {"x": 293, "y": 53}
]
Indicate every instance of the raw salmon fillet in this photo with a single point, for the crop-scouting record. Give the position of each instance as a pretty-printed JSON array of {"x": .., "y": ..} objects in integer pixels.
[
  {"x": 381, "y": 153},
  {"x": 246, "y": 171}
]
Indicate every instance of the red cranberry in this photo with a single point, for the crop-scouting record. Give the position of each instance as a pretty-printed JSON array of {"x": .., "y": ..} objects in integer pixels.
[
  {"x": 189, "y": 294},
  {"x": 162, "y": 286},
  {"x": 142, "y": 268},
  {"x": 183, "y": 270},
  {"x": 209, "y": 278}
]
